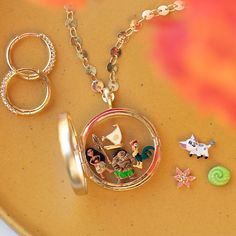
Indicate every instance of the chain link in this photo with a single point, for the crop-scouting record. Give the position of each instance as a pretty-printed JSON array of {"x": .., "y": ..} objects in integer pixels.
[{"x": 123, "y": 37}]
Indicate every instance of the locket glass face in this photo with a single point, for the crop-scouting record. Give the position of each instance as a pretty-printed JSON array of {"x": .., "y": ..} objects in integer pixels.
[{"x": 118, "y": 149}]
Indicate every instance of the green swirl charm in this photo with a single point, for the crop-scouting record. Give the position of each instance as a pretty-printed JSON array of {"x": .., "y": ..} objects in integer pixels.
[{"x": 219, "y": 176}]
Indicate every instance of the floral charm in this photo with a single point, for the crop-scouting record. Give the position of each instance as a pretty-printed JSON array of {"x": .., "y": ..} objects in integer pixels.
[{"x": 183, "y": 177}]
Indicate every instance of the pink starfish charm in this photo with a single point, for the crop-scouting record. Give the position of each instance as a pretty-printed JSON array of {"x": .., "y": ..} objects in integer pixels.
[{"x": 183, "y": 177}]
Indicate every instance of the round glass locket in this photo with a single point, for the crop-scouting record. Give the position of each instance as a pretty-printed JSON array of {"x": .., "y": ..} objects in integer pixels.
[{"x": 118, "y": 149}]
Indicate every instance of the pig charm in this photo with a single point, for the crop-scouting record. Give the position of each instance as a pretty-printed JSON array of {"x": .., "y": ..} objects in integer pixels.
[{"x": 195, "y": 148}]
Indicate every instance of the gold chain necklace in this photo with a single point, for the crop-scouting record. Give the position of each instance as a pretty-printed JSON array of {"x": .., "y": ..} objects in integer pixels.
[
  {"x": 118, "y": 149},
  {"x": 123, "y": 37}
]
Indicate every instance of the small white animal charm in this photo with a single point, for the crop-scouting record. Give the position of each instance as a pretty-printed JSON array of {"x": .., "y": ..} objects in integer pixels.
[{"x": 195, "y": 148}]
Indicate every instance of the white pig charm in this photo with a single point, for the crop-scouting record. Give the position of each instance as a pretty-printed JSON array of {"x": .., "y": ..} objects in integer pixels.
[{"x": 195, "y": 148}]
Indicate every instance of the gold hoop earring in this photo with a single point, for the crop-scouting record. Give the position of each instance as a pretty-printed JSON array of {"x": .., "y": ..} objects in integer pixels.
[
  {"x": 51, "y": 52},
  {"x": 28, "y": 74},
  {"x": 13, "y": 108}
]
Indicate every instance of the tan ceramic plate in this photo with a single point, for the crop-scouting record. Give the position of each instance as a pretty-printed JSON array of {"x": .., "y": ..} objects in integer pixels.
[{"x": 35, "y": 190}]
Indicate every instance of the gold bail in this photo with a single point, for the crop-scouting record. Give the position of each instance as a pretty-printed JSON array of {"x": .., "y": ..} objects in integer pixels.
[{"x": 108, "y": 97}]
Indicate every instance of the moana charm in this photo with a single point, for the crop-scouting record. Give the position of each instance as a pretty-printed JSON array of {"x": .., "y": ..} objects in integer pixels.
[
  {"x": 107, "y": 151},
  {"x": 195, "y": 148},
  {"x": 98, "y": 161}
]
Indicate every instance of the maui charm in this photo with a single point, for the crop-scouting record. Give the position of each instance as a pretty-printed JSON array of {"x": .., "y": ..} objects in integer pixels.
[
  {"x": 184, "y": 178},
  {"x": 195, "y": 148},
  {"x": 123, "y": 165}
]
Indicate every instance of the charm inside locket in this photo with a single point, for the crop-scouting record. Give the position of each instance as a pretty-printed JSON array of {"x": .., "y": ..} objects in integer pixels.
[{"x": 118, "y": 149}]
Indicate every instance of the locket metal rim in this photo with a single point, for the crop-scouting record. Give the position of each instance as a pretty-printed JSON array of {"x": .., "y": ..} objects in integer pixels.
[{"x": 70, "y": 150}]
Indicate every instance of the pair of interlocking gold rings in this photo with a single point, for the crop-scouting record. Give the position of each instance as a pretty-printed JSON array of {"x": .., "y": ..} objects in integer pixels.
[{"x": 28, "y": 74}]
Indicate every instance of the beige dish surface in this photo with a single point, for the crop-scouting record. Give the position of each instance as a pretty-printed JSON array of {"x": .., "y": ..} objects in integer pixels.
[{"x": 35, "y": 193}]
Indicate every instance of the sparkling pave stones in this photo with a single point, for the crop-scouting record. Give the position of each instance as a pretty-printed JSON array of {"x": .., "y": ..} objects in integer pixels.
[
  {"x": 52, "y": 54},
  {"x": 3, "y": 92},
  {"x": 7, "y": 102},
  {"x": 51, "y": 51},
  {"x": 28, "y": 74}
]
